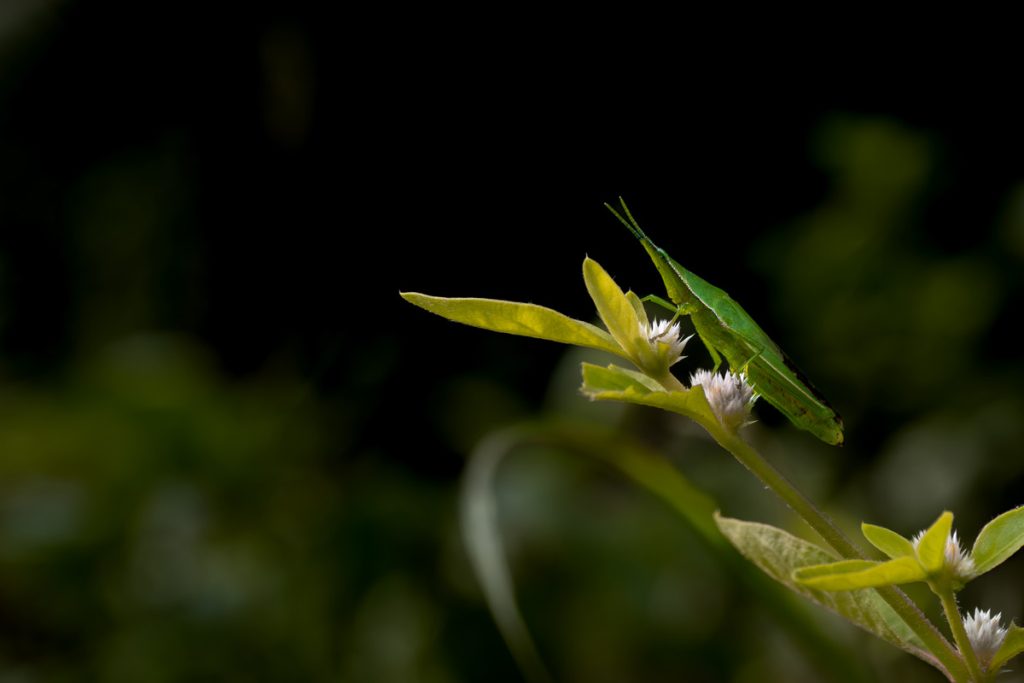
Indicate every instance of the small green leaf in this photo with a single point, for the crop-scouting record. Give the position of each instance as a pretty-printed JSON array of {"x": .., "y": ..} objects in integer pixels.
[
  {"x": 528, "y": 320},
  {"x": 618, "y": 384},
  {"x": 931, "y": 549},
  {"x": 617, "y": 313},
  {"x": 1000, "y": 539},
  {"x": 638, "y": 306},
  {"x": 779, "y": 554},
  {"x": 597, "y": 379},
  {"x": 1013, "y": 645},
  {"x": 853, "y": 574},
  {"x": 887, "y": 540}
]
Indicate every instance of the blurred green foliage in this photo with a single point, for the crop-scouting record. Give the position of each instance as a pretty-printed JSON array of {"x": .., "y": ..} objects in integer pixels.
[{"x": 129, "y": 514}]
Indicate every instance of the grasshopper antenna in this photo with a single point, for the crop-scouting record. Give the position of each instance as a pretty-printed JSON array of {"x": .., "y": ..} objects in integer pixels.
[{"x": 631, "y": 223}]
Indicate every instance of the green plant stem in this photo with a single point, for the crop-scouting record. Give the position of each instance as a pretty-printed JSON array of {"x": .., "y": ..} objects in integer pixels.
[
  {"x": 669, "y": 381},
  {"x": 826, "y": 528},
  {"x": 956, "y": 625}
]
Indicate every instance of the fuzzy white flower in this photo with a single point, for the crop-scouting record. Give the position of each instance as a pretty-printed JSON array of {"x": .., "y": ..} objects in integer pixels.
[
  {"x": 663, "y": 337},
  {"x": 728, "y": 394},
  {"x": 958, "y": 561},
  {"x": 984, "y": 632}
]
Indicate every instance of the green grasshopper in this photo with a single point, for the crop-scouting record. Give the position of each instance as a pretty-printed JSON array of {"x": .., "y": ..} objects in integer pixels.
[{"x": 727, "y": 330}]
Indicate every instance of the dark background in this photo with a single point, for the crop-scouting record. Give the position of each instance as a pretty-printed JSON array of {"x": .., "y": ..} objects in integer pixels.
[{"x": 229, "y": 451}]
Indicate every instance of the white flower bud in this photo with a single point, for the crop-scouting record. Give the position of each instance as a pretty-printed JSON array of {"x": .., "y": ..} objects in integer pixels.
[
  {"x": 665, "y": 342},
  {"x": 729, "y": 396},
  {"x": 985, "y": 633}
]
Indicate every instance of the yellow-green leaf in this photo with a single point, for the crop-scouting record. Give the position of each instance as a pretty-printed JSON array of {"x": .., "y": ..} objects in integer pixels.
[
  {"x": 854, "y": 574},
  {"x": 887, "y": 540},
  {"x": 779, "y": 554},
  {"x": 1013, "y": 645},
  {"x": 617, "y": 384},
  {"x": 617, "y": 313},
  {"x": 804, "y": 574},
  {"x": 931, "y": 549},
  {"x": 597, "y": 379},
  {"x": 638, "y": 306},
  {"x": 1000, "y": 539},
  {"x": 528, "y": 320}
]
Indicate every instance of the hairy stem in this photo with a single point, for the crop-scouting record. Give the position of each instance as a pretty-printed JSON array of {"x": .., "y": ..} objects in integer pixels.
[
  {"x": 826, "y": 528},
  {"x": 956, "y": 625}
]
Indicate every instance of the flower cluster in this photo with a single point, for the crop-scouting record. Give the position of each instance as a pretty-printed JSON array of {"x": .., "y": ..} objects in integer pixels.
[{"x": 728, "y": 394}]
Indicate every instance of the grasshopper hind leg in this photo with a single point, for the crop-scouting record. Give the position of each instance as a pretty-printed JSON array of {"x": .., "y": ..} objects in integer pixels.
[{"x": 715, "y": 356}]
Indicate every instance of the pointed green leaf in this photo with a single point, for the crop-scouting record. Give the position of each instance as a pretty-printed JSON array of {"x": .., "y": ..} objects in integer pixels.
[
  {"x": 1013, "y": 645},
  {"x": 597, "y": 379},
  {"x": 853, "y": 574},
  {"x": 528, "y": 320},
  {"x": 638, "y": 306},
  {"x": 1000, "y": 539},
  {"x": 931, "y": 549},
  {"x": 617, "y": 384},
  {"x": 887, "y": 540},
  {"x": 779, "y": 554},
  {"x": 616, "y": 312}
]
